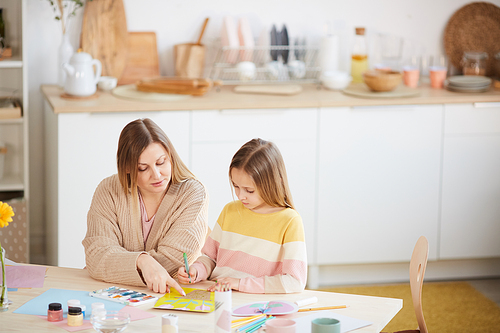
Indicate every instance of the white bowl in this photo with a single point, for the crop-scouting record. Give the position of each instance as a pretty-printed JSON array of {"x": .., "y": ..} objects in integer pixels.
[
  {"x": 335, "y": 80},
  {"x": 107, "y": 82},
  {"x": 246, "y": 70}
]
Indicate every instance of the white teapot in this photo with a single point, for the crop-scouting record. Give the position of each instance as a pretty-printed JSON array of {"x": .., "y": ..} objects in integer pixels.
[{"x": 81, "y": 79}]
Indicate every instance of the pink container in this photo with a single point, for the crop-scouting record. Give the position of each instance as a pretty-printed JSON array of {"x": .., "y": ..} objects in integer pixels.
[
  {"x": 438, "y": 75},
  {"x": 411, "y": 76}
]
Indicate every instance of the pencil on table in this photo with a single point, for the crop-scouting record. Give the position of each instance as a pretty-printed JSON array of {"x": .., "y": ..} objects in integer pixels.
[
  {"x": 248, "y": 318},
  {"x": 324, "y": 308}
]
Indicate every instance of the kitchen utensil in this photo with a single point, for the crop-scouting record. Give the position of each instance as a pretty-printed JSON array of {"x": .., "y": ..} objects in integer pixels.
[
  {"x": 80, "y": 77},
  {"x": 474, "y": 63},
  {"x": 437, "y": 75},
  {"x": 246, "y": 39},
  {"x": 284, "y": 42},
  {"x": 284, "y": 89},
  {"x": 474, "y": 27},
  {"x": 247, "y": 70},
  {"x": 410, "y": 76},
  {"x": 173, "y": 85},
  {"x": 335, "y": 80},
  {"x": 142, "y": 61},
  {"x": 107, "y": 83},
  {"x": 275, "y": 41},
  {"x": 105, "y": 36},
  {"x": 229, "y": 40},
  {"x": 361, "y": 90},
  {"x": 190, "y": 58},
  {"x": 381, "y": 81},
  {"x": 130, "y": 92},
  {"x": 297, "y": 69},
  {"x": 468, "y": 83}
]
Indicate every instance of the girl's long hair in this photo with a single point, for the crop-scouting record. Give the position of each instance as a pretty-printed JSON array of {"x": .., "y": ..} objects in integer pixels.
[
  {"x": 263, "y": 162},
  {"x": 134, "y": 139}
]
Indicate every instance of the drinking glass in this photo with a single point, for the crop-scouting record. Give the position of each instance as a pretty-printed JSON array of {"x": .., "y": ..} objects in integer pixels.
[{"x": 110, "y": 322}]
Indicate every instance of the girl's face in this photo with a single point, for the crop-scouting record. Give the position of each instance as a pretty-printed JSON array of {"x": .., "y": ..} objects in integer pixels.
[
  {"x": 154, "y": 170},
  {"x": 246, "y": 191}
]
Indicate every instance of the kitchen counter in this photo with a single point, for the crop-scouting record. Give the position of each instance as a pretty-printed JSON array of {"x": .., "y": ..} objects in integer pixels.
[{"x": 310, "y": 97}]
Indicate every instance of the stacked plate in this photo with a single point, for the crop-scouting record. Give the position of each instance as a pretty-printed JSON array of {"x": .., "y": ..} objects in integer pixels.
[{"x": 468, "y": 83}]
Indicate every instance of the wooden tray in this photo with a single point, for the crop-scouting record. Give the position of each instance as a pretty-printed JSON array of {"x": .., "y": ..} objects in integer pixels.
[{"x": 142, "y": 60}]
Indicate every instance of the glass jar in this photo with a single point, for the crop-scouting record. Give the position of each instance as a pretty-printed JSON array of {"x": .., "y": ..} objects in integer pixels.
[
  {"x": 474, "y": 63},
  {"x": 496, "y": 66}
]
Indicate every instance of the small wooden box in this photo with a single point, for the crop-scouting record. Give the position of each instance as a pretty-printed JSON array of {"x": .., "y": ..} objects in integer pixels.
[{"x": 11, "y": 112}]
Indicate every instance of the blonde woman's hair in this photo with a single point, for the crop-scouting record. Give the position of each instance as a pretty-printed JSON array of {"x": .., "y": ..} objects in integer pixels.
[
  {"x": 134, "y": 138},
  {"x": 262, "y": 161}
]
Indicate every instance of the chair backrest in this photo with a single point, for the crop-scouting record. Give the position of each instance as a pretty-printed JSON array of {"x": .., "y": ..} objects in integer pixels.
[{"x": 417, "y": 270}]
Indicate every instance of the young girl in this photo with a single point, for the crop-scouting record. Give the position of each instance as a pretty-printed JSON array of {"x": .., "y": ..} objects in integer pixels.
[{"x": 258, "y": 243}]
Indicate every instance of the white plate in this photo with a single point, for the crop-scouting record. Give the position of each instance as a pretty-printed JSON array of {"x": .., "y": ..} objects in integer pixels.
[
  {"x": 450, "y": 87},
  {"x": 469, "y": 81}
]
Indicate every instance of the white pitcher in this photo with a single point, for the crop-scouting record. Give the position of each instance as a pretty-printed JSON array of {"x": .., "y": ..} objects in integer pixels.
[{"x": 81, "y": 79}]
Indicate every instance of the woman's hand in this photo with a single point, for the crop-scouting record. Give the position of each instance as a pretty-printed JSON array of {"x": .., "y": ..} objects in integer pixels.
[
  {"x": 156, "y": 277},
  {"x": 183, "y": 276},
  {"x": 233, "y": 283}
]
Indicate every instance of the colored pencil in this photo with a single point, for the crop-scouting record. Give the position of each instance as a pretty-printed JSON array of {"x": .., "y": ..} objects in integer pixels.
[
  {"x": 257, "y": 326},
  {"x": 324, "y": 308},
  {"x": 187, "y": 265},
  {"x": 251, "y": 324},
  {"x": 241, "y": 323},
  {"x": 247, "y": 318}
]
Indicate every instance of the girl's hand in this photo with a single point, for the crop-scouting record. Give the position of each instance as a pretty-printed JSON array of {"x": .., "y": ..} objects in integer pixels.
[
  {"x": 183, "y": 276},
  {"x": 155, "y": 276},
  {"x": 221, "y": 283}
]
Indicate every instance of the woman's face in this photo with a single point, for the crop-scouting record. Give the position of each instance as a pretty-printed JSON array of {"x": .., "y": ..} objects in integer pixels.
[{"x": 154, "y": 169}]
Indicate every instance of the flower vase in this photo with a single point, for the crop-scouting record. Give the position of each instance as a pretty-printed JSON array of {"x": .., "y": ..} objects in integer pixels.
[
  {"x": 4, "y": 300},
  {"x": 65, "y": 53}
]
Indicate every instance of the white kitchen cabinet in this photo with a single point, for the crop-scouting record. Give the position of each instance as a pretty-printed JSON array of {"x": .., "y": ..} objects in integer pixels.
[
  {"x": 80, "y": 152},
  {"x": 470, "y": 213},
  {"x": 14, "y": 132},
  {"x": 218, "y": 134},
  {"x": 378, "y": 182}
]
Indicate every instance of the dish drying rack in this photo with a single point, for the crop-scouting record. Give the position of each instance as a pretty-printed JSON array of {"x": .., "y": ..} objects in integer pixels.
[{"x": 270, "y": 65}]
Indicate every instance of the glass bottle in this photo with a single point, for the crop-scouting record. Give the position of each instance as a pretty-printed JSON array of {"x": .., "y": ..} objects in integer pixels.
[
  {"x": 2, "y": 29},
  {"x": 359, "y": 58}
]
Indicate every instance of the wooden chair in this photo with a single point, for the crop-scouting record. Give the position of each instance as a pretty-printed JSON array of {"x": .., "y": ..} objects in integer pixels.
[{"x": 418, "y": 263}]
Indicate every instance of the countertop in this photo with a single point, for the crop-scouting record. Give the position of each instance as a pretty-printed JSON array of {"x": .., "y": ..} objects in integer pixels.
[{"x": 310, "y": 97}]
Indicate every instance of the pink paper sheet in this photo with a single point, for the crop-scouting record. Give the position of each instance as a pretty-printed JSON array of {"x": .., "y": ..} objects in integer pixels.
[{"x": 24, "y": 276}]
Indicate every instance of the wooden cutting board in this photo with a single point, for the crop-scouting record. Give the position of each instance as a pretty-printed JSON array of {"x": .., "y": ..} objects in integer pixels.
[
  {"x": 284, "y": 89},
  {"x": 142, "y": 58},
  {"x": 105, "y": 35}
]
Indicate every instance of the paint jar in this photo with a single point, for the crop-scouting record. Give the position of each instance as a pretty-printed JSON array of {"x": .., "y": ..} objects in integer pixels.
[
  {"x": 73, "y": 302},
  {"x": 75, "y": 316},
  {"x": 55, "y": 312},
  {"x": 169, "y": 323},
  {"x": 98, "y": 307}
]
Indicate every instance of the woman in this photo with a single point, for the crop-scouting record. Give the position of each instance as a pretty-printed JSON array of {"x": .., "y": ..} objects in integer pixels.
[{"x": 144, "y": 218}]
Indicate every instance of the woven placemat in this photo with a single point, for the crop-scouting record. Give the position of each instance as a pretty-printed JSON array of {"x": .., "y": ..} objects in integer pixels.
[{"x": 474, "y": 27}]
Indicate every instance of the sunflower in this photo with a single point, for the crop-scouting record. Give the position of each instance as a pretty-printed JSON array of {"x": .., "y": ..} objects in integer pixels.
[{"x": 6, "y": 214}]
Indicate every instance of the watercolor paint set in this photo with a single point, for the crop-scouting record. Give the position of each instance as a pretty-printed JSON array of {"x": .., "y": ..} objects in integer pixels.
[{"x": 123, "y": 295}]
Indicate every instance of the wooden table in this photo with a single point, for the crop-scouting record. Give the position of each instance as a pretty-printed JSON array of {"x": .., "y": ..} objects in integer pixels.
[{"x": 375, "y": 309}]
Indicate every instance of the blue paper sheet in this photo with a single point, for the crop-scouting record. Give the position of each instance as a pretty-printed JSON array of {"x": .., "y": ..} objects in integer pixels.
[{"x": 40, "y": 304}]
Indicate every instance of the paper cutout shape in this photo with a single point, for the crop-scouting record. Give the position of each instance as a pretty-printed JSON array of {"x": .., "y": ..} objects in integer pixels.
[
  {"x": 269, "y": 308},
  {"x": 196, "y": 300}
]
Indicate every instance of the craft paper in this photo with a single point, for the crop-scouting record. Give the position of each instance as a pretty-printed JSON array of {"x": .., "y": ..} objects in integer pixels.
[
  {"x": 24, "y": 276},
  {"x": 270, "y": 308},
  {"x": 39, "y": 305},
  {"x": 197, "y": 300},
  {"x": 346, "y": 323}
]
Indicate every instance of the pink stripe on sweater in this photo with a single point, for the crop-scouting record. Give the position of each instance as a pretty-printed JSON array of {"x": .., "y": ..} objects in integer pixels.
[{"x": 259, "y": 267}]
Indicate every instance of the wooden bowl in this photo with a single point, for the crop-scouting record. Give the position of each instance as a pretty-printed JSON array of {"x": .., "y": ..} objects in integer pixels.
[{"x": 382, "y": 80}]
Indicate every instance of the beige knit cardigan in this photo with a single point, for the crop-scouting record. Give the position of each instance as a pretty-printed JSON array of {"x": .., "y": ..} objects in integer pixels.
[{"x": 114, "y": 237}]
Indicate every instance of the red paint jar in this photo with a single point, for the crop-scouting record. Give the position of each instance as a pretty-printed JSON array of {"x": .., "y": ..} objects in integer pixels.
[{"x": 55, "y": 312}]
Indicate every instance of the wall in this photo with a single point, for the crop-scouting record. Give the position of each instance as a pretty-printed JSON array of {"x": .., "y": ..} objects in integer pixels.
[{"x": 420, "y": 22}]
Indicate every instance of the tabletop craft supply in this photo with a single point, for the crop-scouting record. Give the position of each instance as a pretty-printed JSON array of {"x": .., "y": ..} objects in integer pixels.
[
  {"x": 169, "y": 323},
  {"x": 307, "y": 301},
  {"x": 123, "y": 295},
  {"x": 269, "y": 308},
  {"x": 186, "y": 264},
  {"x": 223, "y": 305},
  {"x": 324, "y": 308},
  {"x": 196, "y": 300}
]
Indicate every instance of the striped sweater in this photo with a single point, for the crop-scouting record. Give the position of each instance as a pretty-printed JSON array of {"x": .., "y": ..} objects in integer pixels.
[{"x": 267, "y": 252}]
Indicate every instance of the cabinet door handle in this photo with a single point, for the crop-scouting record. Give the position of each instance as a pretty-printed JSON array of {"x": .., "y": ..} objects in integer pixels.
[
  {"x": 384, "y": 107},
  {"x": 253, "y": 111},
  {"x": 487, "y": 105}
]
